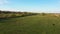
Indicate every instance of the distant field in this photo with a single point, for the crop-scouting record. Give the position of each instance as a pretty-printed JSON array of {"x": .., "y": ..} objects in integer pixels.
[{"x": 30, "y": 25}]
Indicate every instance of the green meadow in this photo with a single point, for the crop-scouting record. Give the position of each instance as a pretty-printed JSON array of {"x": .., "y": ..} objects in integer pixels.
[{"x": 30, "y": 25}]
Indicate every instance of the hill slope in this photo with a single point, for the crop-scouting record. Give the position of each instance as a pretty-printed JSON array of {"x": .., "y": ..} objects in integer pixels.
[{"x": 30, "y": 25}]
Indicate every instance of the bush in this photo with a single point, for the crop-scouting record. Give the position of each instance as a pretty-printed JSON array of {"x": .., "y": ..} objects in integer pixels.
[
  {"x": 43, "y": 14},
  {"x": 13, "y": 15}
]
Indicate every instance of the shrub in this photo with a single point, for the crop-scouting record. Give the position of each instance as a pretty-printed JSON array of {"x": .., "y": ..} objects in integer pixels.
[
  {"x": 13, "y": 15},
  {"x": 43, "y": 14}
]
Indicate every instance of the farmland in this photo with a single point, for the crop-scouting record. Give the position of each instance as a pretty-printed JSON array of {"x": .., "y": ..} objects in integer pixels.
[{"x": 32, "y": 24}]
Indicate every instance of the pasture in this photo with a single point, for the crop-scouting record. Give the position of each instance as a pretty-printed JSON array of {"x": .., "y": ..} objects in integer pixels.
[{"x": 30, "y": 25}]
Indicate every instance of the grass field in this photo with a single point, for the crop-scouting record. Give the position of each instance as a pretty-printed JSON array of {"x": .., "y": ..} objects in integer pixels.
[{"x": 30, "y": 25}]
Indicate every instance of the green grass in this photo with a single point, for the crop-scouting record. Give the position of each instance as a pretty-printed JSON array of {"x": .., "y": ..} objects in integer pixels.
[{"x": 30, "y": 25}]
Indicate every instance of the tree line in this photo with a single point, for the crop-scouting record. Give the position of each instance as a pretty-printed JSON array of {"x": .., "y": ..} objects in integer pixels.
[{"x": 9, "y": 14}]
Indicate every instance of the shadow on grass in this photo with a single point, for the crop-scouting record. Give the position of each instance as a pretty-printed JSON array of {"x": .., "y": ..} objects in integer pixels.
[
  {"x": 4, "y": 20},
  {"x": 7, "y": 18}
]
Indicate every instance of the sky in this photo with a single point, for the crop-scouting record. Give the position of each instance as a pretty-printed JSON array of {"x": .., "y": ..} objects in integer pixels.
[{"x": 48, "y": 6}]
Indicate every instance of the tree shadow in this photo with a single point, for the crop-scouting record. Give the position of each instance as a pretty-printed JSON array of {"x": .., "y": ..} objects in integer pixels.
[{"x": 7, "y": 18}]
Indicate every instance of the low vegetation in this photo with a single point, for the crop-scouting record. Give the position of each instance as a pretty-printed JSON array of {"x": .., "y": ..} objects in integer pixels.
[
  {"x": 8, "y": 14},
  {"x": 33, "y": 23}
]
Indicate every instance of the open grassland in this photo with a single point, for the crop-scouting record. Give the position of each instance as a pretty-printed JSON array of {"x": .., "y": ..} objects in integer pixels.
[{"x": 30, "y": 25}]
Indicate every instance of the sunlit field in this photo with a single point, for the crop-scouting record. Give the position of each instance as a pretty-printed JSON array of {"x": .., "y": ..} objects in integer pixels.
[
  {"x": 29, "y": 16},
  {"x": 36, "y": 24}
]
